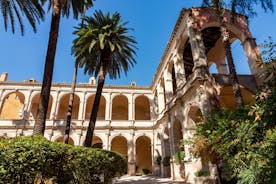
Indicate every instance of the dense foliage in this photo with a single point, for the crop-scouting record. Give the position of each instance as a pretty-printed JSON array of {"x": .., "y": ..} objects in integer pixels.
[
  {"x": 242, "y": 142},
  {"x": 34, "y": 159}
]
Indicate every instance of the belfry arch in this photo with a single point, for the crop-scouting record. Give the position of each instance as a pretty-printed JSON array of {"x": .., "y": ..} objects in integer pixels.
[
  {"x": 12, "y": 107},
  {"x": 35, "y": 104},
  {"x": 142, "y": 108},
  {"x": 60, "y": 139},
  {"x": 89, "y": 106},
  {"x": 143, "y": 154},
  {"x": 97, "y": 142},
  {"x": 119, "y": 144},
  {"x": 120, "y": 108},
  {"x": 63, "y": 107}
]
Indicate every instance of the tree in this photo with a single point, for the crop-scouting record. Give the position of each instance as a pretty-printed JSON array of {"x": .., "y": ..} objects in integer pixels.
[
  {"x": 32, "y": 9},
  {"x": 241, "y": 6},
  {"x": 59, "y": 7},
  {"x": 245, "y": 138},
  {"x": 72, "y": 95},
  {"x": 103, "y": 47}
]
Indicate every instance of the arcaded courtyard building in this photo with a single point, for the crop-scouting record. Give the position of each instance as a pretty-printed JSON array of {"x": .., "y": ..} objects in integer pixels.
[{"x": 146, "y": 123}]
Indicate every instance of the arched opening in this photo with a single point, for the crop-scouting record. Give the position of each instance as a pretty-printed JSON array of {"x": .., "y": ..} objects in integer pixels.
[
  {"x": 89, "y": 105},
  {"x": 120, "y": 108},
  {"x": 162, "y": 84},
  {"x": 142, "y": 108},
  {"x": 166, "y": 153},
  {"x": 119, "y": 144},
  {"x": 188, "y": 59},
  {"x": 178, "y": 136},
  {"x": 194, "y": 117},
  {"x": 143, "y": 154},
  {"x": 239, "y": 57},
  {"x": 174, "y": 80},
  {"x": 60, "y": 139},
  {"x": 63, "y": 107},
  {"x": 227, "y": 98},
  {"x": 97, "y": 142},
  {"x": 13, "y": 105},
  {"x": 34, "y": 107}
]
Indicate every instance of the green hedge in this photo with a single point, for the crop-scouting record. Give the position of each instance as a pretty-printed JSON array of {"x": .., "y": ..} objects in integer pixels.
[{"x": 32, "y": 159}]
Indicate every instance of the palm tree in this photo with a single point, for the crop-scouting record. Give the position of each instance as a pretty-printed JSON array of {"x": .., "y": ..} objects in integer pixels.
[
  {"x": 32, "y": 9},
  {"x": 72, "y": 95},
  {"x": 59, "y": 7},
  {"x": 242, "y": 6},
  {"x": 102, "y": 46}
]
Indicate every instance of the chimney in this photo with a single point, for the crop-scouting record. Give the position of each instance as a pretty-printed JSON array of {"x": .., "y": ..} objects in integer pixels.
[{"x": 4, "y": 77}]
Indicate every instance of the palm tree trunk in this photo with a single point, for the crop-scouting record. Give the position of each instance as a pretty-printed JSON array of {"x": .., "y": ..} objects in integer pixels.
[
  {"x": 93, "y": 115},
  {"x": 72, "y": 95},
  {"x": 39, "y": 126},
  {"x": 70, "y": 106},
  {"x": 232, "y": 70}
]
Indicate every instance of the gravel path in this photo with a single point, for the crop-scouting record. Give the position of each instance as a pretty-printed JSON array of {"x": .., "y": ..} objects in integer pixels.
[{"x": 144, "y": 180}]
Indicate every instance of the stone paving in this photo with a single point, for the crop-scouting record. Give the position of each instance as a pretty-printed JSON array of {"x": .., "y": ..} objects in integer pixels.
[{"x": 144, "y": 180}]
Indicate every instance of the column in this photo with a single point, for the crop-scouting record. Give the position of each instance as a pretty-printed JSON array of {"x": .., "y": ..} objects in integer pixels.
[
  {"x": 81, "y": 106},
  {"x": 108, "y": 107},
  {"x": 27, "y": 104},
  {"x": 172, "y": 146},
  {"x": 252, "y": 54},
  {"x": 54, "y": 106},
  {"x": 107, "y": 146},
  {"x": 168, "y": 84},
  {"x": 198, "y": 50},
  {"x": 130, "y": 107},
  {"x": 131, "y": 155},
  {"x": 179, "y": 71},
  {"x": 160, "y": 96},
  {"x": 1, "y": 97}
]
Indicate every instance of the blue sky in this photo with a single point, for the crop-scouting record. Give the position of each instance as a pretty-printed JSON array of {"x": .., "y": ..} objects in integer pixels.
[{"x": 152, "y": 21}]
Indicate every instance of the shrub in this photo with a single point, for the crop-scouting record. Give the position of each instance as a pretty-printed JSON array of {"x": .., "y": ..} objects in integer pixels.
[
  {"x": 166, "y": 161},
  {"x": 179, "y": 157},
  {"x": 202, "y": 172},
  {"x": 145, "y": 171},
  {"x": 158, "y": 160},
  {"x": 28, "y": 159}
]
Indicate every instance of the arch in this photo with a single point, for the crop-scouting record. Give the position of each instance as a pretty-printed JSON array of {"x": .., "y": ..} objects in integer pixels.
[
  {"x": 142, "y": 108},
  {"x": 12, "y": 107},
  {"x": 97, "y": 142},
  {"x": 35, "y": 104},
  {"x": 171, "y": 70},
  {"x": 227, "y": 98},
  {"x": 119, "y": 144},
  {"x": 60, "y": 139},
  {"x": 120, "y": 108},
  {"x": 188, "y": 59},
  {"x": 178, "y": 135},
  {"x": 89, "y": 105},
  {"x": 143, "y": 153},
  {"x": 63, "y": 107},
  {"x": 194, "y": 117}
]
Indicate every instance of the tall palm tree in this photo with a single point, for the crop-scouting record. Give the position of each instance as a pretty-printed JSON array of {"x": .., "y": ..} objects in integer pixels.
[
  {"x": 32, "y": 9},
  {"x": 72, "y": 95},
  {"x": 59, "y": 7},
  {"x": 103, "y": 47},
  {"x": 241, "y": 6}
]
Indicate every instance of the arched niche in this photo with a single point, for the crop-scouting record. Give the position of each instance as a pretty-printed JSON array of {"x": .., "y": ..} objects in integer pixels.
[
  {"x": 142, "y": 108},
  {"x": 97, "y": 142},
  {"x": 143, "y": 154},
  {"x": 120, "y": 108},
  {"x": 12, "y": 107},
  {"x": 35, "y": 104},
  {"x": 63, "y": 107},
  {"x": 60, "y": 139},
  {"x": 119, "y": 144},
  {"x": 89, "y": 106}
]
